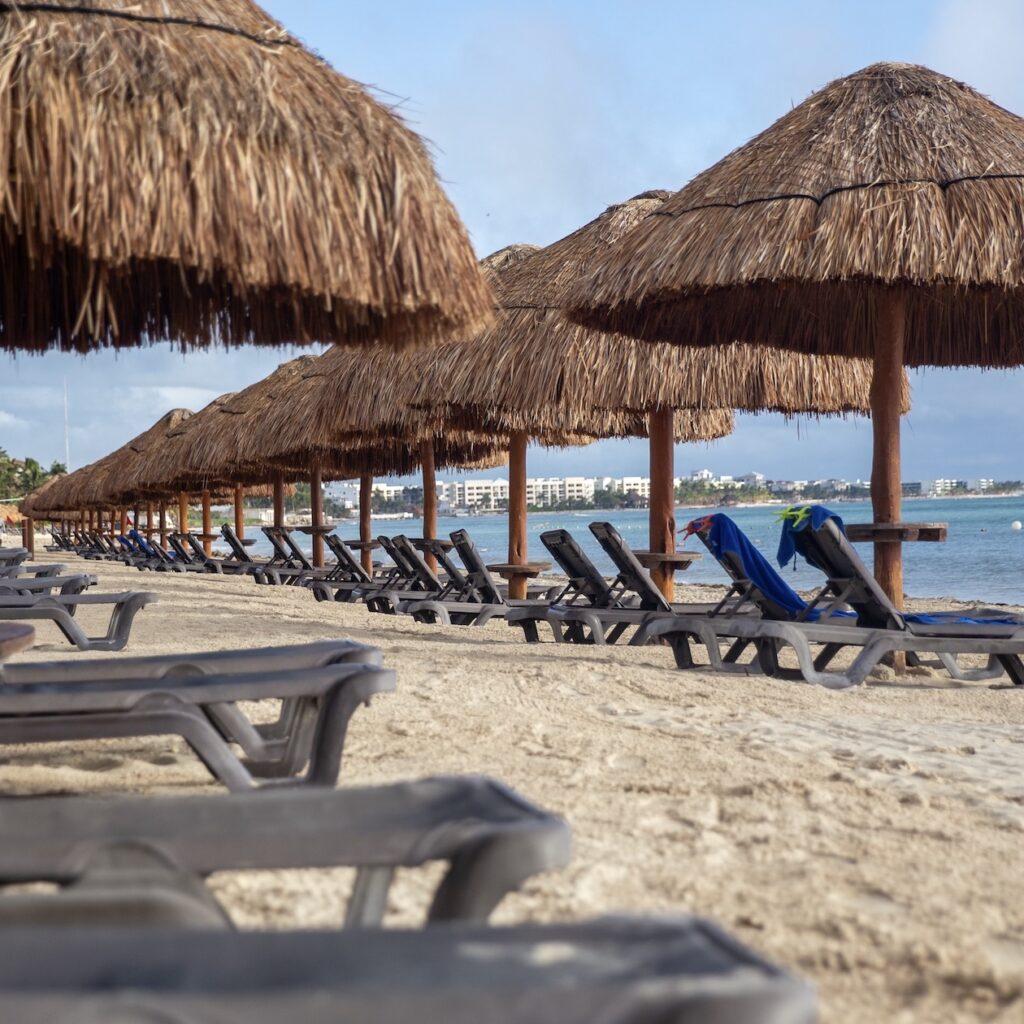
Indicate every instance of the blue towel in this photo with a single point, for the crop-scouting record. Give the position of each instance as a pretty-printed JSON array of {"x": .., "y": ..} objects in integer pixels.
[
  {"x": 726, "y": 536},
  {"x": 794, "y": 521}
]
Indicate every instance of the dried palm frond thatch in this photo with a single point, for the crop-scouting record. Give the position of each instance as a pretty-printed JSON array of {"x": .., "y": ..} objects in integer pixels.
[
  {"x": 537, "y": 358},
  {"x": 894, "y": 178},
  {"x": 185, "y": 169}
]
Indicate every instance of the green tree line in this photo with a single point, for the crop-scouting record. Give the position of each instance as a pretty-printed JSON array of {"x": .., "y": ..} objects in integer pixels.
[{"x": 19, "y": 477}]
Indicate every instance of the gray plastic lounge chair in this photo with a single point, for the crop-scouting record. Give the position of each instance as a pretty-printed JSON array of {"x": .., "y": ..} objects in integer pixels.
[
  {"x": 144, "y": 861},
  {"x": 349, "y": 581},
  {"x": 37, "y": 586},
  {"x": 816, "y": 644},
  {"x": 637, "y": 602},
  {"x": 317, "y": 703},
  {"x": 478, "y": 602},
  {"x": 612, "y": 971},
  {"x": 26, "y": 570},
  {"x": 586, "y": 587},
  {"x": 13, "y": 556},
  {"x": 61, "y": 609}
]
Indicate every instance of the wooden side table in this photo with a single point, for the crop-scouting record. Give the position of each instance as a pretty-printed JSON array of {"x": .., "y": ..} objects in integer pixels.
[{"x": 519, "y": 575}]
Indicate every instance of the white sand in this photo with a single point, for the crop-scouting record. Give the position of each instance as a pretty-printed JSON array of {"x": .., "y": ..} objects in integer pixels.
[{"x": 870, "y": 839}]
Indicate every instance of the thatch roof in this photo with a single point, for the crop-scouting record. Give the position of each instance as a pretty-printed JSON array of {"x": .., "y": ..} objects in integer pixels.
[
  {"x": 248, "y": 436},
  {"x": 40, "y": 501},
  {"x": 894, "y": 177},
  {"x": 536, "y": 359},
  {"x": 10, "y": 512},
  {"x": 185, "y": 169}
]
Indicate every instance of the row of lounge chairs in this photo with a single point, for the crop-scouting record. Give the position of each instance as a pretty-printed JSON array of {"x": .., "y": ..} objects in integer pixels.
[
  {"x": 49, "y": 592},
  {"x": 759, "y": 617},
  {"x": 140, "y": 935}
]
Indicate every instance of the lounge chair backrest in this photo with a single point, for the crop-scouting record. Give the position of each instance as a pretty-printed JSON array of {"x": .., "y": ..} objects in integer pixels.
[
  {"x": 142, "y": 544},
  {"x": 402, "y": 567},
  {"x": 199, "y": 552},
  {"x": 632, "y": 575},
  {"x": 424, "y": 576},
  {"x": 743, "y": 589},
  {"x": 238, "y": 551},
  {"x": 584, "y": 579},
  {"x": 298, "y": 556},
  {"x": 282, "y": 556},
  {"x": 349, "y": 566},
  {"x": 481, "y": 585},
  {"x": 849, "y": 579},
  {"x": 176, "y": 540},
  {"x": 458, "y": 583}
]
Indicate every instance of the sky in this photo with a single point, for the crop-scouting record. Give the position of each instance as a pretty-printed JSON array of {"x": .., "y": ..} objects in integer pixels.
[{"x": 540, "y": 113}]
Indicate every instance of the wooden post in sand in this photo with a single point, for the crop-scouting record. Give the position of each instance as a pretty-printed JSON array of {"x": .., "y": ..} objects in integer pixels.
[
  {"x": 240, "y": 512},
  {"x": 163, "y": 524},
  {"x": 182, "y": 512},
  {"x": 366, "y": 520},
  {"x": 279, "y": 500},
  {"x": 207, "y": 524},
  {"x": 316, "y": 503},
  {"x": 28, "y": 536},
  {"x": 429, "y": 497},
  {"x": 149, "y": 520},
  {"x": 661, "y": 431},
  {"x": 124, "y": 520},
  {"x": 886, "y": 390},
  {"x": 517, "y": 539}
]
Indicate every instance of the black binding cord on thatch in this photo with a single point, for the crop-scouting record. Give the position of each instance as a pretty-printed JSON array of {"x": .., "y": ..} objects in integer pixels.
[
  {"x": 818, "y": 200},
  {"x": 12, "y": 7}
]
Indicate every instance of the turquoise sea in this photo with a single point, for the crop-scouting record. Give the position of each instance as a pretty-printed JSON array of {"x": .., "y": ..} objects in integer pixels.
[{"x": 983, "y": 559}]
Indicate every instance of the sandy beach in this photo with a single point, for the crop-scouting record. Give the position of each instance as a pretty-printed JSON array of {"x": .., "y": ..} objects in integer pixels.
[{"x": 868, "y": 839}]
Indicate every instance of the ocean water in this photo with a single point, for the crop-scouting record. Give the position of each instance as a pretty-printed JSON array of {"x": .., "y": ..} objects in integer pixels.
[{"x": 983, "y": 559}]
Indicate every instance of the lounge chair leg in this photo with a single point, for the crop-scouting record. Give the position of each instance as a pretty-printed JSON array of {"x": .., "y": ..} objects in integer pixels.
[{"x": 369, "y": 899}]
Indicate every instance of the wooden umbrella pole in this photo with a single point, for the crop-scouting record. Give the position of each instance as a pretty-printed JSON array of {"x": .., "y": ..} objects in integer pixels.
[
  {"x": 886, "y": 389},
  {"x": 240, "y": 512},
  {"x": 182, "y": 512},
  {"x": 115, "y": 521},
  {"x": 124, "y": 520},
  {"x": 316, "y": 501},
  {"x": 30, "y": 536},
  {"x": 661, "y": 431},
  {"x": 149, "y": 520},
  {"x": 279, "y": 500},
  {"x": 207, "y": 524},
  {"x": 517, "y": 539},
  {"x": 135, "y": 517},
  {"x": 163, "y": 524},
  {"x": 429, "y": 497},
  {"x": 366, "y": 520}
]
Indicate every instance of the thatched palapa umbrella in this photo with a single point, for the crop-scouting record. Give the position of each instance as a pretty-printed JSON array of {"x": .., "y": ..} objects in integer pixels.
[
  {"x": 537, "y": 370},
  {"x": 268, "y": 431},
  {"x": 879, "y": 218},
  {"x": 185, "y": 169}
]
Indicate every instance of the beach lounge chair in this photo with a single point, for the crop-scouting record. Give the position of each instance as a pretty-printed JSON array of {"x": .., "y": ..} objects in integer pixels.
[
  {"x": 348, "y": 580},
  {"x": 26, "y": 570},
  {"x": 477, "y": 601},
  {"x": 636, "y": 602},
  {"x": 43, "y": 586},
  {"x": 586, "y": 586},
  {"x": 614, "y": 971},
  {"x": 61, "y": 609},
  {"x": 13, "y": 556},
  {"x": 239, "y": 550},
  {"x": 197, "y": 698},
  {"x": 817, "y": 631},
  {"x": 143, "y": 861}
]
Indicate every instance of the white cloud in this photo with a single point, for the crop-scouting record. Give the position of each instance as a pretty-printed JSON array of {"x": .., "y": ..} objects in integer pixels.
[{"x": 9, "y": 421}]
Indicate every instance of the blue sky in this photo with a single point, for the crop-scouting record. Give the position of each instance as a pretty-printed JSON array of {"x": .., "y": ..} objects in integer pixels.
[{"x": 540, "y": 114}]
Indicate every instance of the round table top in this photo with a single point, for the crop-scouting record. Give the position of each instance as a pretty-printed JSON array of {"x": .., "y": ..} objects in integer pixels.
[
  {"x": 508, "y": 570},
  {"x": 313, "y": 530},
  {"x": 14, "y": 637},
  {"x": 362, "y": 545},
  {"x": 423, "y": 544},
  {"x": 680, "y": 559}
]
